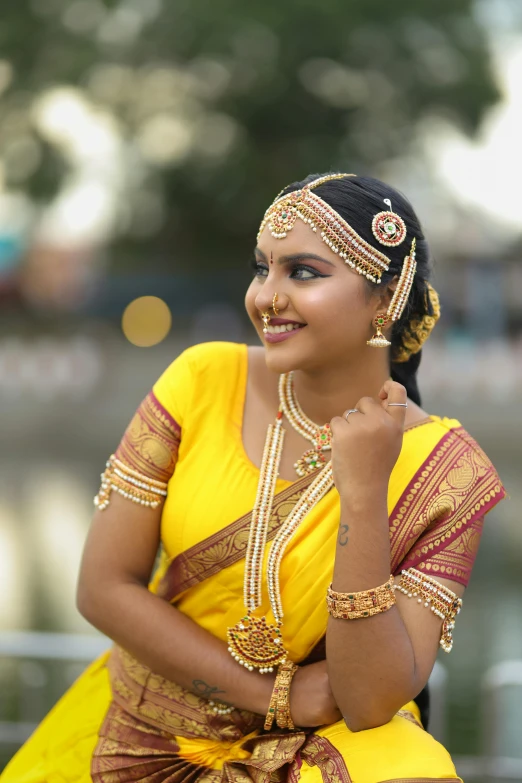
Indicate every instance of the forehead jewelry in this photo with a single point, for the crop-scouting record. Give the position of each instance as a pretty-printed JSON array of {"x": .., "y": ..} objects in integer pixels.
[
  {"x": 388, "y": 228},
  {"x": 341, "y": 238},
  {"x": 274, "y": 308}
]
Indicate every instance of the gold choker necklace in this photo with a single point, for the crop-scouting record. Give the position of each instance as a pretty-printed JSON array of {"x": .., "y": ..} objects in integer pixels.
[
  {"x": 320, "y": 437},
  {"x": 254, "y": 642}
]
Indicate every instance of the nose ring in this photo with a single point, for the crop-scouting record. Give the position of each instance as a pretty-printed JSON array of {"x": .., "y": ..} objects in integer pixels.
[
  {"x": 274, "y": 308},
  {"x": 266, "y": 320}
]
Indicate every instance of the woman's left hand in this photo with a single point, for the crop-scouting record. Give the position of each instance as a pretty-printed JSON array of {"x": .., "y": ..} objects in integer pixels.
[{"x": 366, "y": 446}]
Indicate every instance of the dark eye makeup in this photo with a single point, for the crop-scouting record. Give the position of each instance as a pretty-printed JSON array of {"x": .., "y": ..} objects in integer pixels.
[{"x": 297, "y": 271}]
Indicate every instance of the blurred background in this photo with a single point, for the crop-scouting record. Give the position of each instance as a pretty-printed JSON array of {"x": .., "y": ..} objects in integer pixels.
[{"x": 140, "y": 143}]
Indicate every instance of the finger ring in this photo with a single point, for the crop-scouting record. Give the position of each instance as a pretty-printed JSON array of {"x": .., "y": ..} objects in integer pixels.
[
  {"x": 397, "y": 404},
  {"x": 352, "y": 410}
]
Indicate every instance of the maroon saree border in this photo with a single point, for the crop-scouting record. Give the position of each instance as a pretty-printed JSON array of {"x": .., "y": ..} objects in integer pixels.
[
  {"x": 225, "y": 547},
  {"x": 438, "y": 512},
  {"x": 455, "y": 486},
  {"x": 151, "y": 441}
]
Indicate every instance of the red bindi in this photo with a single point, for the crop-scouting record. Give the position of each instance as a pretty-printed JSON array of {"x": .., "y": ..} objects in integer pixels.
[{"x": 271, "y": 258}]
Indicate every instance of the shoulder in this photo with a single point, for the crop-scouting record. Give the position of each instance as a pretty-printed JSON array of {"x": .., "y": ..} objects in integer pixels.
[
  {"x": 217, "y": 359},
  {"x": 213, "y": 355},
  {"x": 462, "y": 466},
  {"x": 207, "y": 371}
]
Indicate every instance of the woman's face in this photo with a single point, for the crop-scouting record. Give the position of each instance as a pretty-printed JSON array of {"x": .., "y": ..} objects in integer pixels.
[{"x": 316, "y": 290}]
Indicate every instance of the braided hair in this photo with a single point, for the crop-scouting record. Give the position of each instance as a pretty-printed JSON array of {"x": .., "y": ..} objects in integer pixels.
[{"x": 357, "y": 200}]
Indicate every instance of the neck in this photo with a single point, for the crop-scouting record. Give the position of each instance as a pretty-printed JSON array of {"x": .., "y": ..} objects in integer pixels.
[{"x": 329, "y": 391}]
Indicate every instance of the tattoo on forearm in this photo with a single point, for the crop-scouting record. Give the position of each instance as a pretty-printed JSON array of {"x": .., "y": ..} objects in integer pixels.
[
  {"x": 203, "y": 689},
  {"x": 343, "y": 535}
]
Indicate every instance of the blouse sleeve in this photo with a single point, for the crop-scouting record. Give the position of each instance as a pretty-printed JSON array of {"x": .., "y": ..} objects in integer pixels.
[
  {"x": 151, "y": 441},
  {"x": 461, "y": 487},
  {"x": 146, "y": 456}
]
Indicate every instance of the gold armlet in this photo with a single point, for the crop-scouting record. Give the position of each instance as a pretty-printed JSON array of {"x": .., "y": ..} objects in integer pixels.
[
  {"x": 279, "y": 707},
  {"x": 440, "y": 599},
  {"x": 132, "y": 485},
  {"x": 366, "y": 603}
]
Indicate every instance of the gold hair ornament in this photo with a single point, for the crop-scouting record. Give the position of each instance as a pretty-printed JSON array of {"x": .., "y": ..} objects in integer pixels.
[
  {"x": 389, "y": 228},
  {"x": 418, "y": 329},
  {"x": 335, "y": 232}
]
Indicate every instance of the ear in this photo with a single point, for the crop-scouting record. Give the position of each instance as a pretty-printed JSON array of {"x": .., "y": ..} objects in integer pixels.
[{"x": 383, "y": 295}]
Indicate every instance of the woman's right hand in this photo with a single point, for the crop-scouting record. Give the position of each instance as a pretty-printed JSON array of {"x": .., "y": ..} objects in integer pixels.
[{"x": 311, "y": 699}]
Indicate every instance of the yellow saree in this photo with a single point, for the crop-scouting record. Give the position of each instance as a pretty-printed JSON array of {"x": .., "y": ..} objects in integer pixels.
[{"x": 121, "y": 722}]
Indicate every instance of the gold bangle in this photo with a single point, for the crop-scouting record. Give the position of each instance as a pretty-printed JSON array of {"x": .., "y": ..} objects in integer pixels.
[
  {"x": 283, "y": 715},
  {"x": 440, "y": 599},
  {"x": 365, "y": 603},
  {"x": 270, "y": 715},
  {"x": 279, "y": 707}
]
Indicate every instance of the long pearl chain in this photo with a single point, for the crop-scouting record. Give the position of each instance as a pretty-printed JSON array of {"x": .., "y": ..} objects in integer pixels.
[
  {"x": 320, "y": 437},
  {"x": 253, "y": 641}
]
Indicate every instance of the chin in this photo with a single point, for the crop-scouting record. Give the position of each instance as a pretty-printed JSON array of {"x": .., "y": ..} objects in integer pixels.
[{"x": 281, "y": 358}]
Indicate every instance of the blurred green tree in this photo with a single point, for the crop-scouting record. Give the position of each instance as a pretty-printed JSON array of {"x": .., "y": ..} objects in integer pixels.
[{"x": 217, "y": 105}]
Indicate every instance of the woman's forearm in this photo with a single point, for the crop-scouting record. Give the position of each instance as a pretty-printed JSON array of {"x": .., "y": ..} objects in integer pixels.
[
  {"x": 371, "y": 662},
  {"x": 174, "y": 646}
]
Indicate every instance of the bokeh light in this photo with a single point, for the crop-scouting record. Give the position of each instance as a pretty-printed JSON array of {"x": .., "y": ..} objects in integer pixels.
[{"x": 146, "y": 321}]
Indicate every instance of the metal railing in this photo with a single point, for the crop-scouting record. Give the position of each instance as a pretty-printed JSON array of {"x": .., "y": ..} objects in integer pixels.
[{"x": 37, "y": 668}]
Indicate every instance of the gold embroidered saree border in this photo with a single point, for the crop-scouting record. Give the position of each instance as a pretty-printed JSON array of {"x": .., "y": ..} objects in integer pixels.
[
  {"x": 137, "y": 739},
  {"x": 437, "y": 516},
  {"x": 150, "y": 443},
  {"x": 225, "y": 547},
  {"x": 455, "y": 477},
  {"x": 128, "y": 751}
]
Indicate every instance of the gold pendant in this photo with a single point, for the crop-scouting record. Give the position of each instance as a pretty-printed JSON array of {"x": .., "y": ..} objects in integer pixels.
[
  {"x": 256, "y": 644},
  {"x": 310, "y": 461}
]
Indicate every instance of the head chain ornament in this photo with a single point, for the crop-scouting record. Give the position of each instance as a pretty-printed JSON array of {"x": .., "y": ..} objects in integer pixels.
[{"x": 340, "y": 237}]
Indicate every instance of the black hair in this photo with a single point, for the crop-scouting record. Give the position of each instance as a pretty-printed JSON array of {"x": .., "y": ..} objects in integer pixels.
[{"x": 357, "y": 200}]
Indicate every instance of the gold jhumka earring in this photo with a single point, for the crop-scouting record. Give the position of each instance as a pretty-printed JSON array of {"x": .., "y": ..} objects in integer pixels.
[{"x": 399, "y": 299}]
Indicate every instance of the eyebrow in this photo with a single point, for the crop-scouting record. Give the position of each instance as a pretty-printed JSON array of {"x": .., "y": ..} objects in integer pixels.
[{"x": 296, "y": 257}]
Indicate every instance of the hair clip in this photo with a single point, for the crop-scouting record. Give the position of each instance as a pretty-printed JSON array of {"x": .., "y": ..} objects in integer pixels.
[{"x": 389, "y": 228}]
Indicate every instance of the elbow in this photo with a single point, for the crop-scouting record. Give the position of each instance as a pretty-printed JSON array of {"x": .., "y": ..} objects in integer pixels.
[
  {"x": 87, "y": 601},
  {"x": 358, "y": 723},
  {"x": 83, "y": 601}
]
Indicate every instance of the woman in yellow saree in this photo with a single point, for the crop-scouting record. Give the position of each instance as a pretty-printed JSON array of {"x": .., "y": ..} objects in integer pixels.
[{"x": 254, "y": 539}]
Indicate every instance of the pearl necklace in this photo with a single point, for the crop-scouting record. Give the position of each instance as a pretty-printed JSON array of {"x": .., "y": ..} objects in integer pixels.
[
  {"x": 253, "y": 641},
  {"x": 320, "y": 437}
]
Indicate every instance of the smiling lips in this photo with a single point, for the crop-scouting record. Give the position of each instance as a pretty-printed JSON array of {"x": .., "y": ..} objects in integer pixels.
[{"x": 280, "y": 328}]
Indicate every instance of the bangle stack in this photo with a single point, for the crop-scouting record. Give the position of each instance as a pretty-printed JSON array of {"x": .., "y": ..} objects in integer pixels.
[
  {"x": 279, "y": 707},
  {"x": 440, "y": 599},
  {"x": 130, "y": 484},
  {"x": 366, "y": 603}
]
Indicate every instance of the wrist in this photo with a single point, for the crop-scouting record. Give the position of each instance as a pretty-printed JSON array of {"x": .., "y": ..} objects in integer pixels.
[
  {"x": 265, "y": 687},
  {"x": 369, "y": 501}
]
